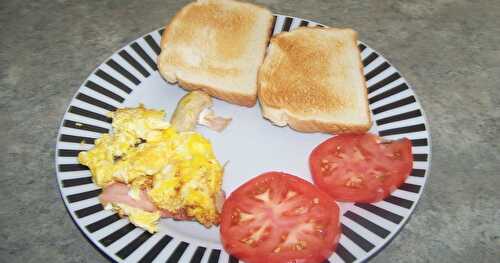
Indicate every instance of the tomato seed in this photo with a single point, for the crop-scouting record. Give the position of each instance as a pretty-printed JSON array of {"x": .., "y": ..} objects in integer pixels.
[
  {"x": 354, "y": 181},
  {"x": 290, "y": 194},
  {"x": 300, "y": 245},
  {"x": 381, "y": 176}
]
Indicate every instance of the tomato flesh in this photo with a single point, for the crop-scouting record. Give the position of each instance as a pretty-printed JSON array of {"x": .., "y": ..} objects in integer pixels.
[
  {"x": 277, "y": 217},
  {"x": 360, "y": 167}
]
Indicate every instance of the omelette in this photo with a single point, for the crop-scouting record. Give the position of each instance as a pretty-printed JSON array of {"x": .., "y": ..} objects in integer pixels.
[{"x": 148, "y": 169}]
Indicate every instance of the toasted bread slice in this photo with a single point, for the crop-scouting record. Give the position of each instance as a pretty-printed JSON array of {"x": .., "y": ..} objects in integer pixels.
[
  {"x": 312, "y": 80},
  {"x": 217, "y": 46}
]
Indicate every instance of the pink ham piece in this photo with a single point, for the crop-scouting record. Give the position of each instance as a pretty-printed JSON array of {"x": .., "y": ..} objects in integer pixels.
[
  {"x": 208, "y": 118},
  {"x": 118, "y": 193}
]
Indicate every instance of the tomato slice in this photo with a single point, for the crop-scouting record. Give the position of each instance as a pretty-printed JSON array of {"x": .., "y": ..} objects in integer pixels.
[
  {"x": 360, "y": 167},
  {"x": 277, "y": 217}
]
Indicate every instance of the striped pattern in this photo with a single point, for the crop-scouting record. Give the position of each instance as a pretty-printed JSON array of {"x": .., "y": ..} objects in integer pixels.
[{"x": 366, "y": 228}]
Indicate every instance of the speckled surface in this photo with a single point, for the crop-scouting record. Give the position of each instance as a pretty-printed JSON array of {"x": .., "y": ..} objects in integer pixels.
[{"x": 448, "y": 50}]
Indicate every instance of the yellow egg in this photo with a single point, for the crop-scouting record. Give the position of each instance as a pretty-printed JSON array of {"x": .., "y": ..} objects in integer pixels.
[
  {"x": 139, "y": 217},
  {"x": 179, "y": 171}
]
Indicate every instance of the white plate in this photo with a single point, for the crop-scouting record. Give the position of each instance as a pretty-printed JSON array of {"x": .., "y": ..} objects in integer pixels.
[{"x": 251, "y": 145}]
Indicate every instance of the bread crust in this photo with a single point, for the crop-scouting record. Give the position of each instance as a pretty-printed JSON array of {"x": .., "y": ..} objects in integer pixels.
[
  {"x": 310, "y": 126},
  {"x": 286, "y": 114},
  {"x": 241, "y": 99},
  {"x": 168, "y": 70}
]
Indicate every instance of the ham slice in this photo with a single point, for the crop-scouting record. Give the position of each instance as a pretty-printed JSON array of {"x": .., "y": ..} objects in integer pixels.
[
  {"x": 208, "y": 118},
  {"x": 118, "y": 193},
  {"x": 195, "y": 107}
]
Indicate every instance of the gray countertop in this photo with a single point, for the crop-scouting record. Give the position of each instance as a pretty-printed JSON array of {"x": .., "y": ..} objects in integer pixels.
[{"x": 448, "y": 50}]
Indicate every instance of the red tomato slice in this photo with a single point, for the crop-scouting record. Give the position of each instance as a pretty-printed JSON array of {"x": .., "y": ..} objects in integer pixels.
[
  {"x": 277, "y": 217},
  {"x": 360, "y": 167}
]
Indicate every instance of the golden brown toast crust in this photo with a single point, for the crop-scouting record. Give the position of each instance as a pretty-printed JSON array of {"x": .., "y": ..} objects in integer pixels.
[
  {"x": 212, "y": 40},
  {"x": 310, "y": 126},
  {"x": 301, "y": 85},
  {"x": 233, "y": 97}
]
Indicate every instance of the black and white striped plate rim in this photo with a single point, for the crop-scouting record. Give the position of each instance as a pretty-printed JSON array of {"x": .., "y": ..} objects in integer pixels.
[{"x": 366, "y": 228}]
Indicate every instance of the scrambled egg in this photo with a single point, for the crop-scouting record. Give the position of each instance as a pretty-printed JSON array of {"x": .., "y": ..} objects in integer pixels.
[
  {"x": 139, "y": 217},
  {"x": 178, "y": 170}
]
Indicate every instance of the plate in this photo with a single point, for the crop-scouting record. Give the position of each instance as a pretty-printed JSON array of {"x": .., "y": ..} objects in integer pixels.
[{"x": 251, "y": 145}]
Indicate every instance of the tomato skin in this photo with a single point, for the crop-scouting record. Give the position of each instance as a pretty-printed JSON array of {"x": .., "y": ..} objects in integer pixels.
[
  {"x": 324, "y": 213},
  {"x": 360, "y": 167}
]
